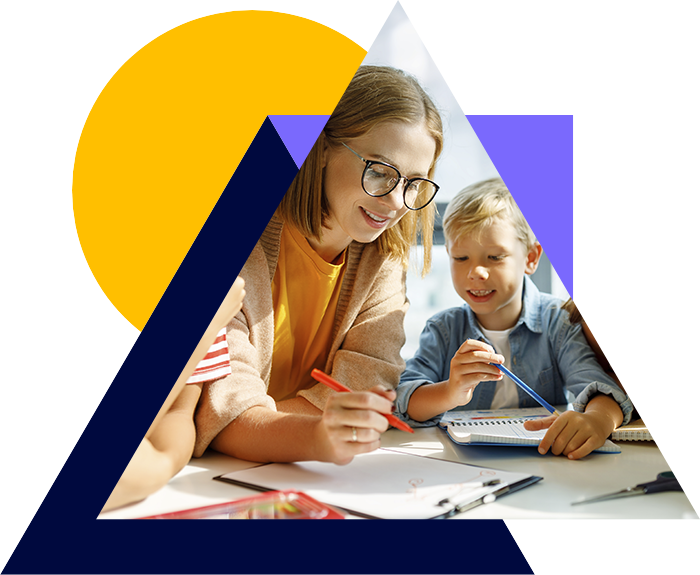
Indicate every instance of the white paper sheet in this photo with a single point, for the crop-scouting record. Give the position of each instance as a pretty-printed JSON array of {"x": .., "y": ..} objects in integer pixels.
[{"x": 385, "y": 484}]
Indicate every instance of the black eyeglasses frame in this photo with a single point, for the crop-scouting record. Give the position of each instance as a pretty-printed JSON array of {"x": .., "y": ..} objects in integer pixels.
[{"x": 408, "y": 182}]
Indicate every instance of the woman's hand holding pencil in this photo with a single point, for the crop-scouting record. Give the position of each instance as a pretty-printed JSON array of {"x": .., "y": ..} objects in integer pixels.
[{"x": 352, "y": 423}]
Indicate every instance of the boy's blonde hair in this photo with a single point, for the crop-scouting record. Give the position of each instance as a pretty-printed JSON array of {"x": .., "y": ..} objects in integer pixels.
[
  {"x": 376, "y": 94},
  {"x": 478, "y": 206}
]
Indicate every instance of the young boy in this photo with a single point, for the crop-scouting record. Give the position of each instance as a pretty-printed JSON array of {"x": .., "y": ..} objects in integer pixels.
[{"x": 506, "y": 321}]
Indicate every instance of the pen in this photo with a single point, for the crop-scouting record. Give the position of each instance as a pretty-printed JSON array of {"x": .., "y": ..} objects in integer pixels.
[
  {"x": 325, "y": 379},
  {"x": 463, "y": 500},
  {"x": 488, "y": 498},
  {"x": 527, "y": 389}
]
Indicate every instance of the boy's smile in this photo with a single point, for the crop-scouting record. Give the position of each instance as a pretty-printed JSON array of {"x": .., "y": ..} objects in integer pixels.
[
  {"x": 488, "y": 270},
  {"x": 480, "y": 296}
]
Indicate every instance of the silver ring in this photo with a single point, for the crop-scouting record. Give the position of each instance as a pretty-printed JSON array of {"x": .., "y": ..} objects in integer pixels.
[{"x": 354, "y": 435}]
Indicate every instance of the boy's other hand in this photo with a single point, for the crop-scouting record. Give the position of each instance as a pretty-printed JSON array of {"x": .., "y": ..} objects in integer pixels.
[
  {"x": 471, "y": 365},
  {"x": 572, "y": 434}
]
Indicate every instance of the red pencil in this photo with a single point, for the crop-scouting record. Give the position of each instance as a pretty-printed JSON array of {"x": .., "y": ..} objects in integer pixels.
[{"x": 326, "y": 379}]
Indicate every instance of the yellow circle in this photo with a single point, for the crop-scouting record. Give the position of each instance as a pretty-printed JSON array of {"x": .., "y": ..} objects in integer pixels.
[{"x": 170, "y": 127}]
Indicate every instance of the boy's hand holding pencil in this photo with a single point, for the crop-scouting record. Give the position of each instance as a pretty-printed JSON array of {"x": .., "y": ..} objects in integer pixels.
[{"x": 472, "y": 364}]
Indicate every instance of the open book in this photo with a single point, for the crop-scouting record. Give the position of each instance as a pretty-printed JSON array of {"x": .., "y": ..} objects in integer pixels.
[{"x": 500, "y": 427}]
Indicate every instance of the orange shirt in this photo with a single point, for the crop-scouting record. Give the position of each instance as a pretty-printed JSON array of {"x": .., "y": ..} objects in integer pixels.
[{"x": 305, "y": 294}]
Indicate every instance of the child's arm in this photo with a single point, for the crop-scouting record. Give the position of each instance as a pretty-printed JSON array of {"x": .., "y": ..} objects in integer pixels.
[
  {"x": 159, "y": 457},
  {"x": 471, "y": 365},
  {"x": 575, "y": 317},
  {"x": 600, "y": 405},
  {"x": 575, "y": 434},
  {"x": 169, "y": 441},
  {"x": 599, "y": 355},
  {"x": 227, "y": 310}
]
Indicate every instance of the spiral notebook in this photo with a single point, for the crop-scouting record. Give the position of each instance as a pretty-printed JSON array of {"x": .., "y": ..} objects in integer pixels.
[
  {"x": 634, "y": 431},
  {"x": 500, "y": 427}
]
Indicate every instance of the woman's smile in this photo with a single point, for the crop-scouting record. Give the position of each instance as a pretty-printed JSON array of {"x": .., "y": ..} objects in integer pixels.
[{"x": 374, "y": 220}]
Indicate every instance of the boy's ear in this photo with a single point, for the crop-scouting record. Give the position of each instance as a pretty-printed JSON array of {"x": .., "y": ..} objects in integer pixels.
[{"x": 533, "y": 258}]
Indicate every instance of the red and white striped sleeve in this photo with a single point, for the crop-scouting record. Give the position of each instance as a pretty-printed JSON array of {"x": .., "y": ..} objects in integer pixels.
[{"x": 215, "y": 364}]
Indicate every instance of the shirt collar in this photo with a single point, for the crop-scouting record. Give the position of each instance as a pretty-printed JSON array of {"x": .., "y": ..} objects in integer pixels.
[{"x": 530, "y": 314}]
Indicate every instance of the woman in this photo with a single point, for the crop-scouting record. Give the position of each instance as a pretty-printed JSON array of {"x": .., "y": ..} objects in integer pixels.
[{"x": 326, "y": 285}]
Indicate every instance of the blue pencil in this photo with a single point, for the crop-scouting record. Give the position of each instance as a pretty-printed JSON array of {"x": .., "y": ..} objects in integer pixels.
[{"x": 527, "y": 389}]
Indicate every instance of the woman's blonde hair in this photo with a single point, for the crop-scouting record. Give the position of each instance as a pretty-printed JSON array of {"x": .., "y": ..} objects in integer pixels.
[
  {"x": 478, "y": 205},
  {"x": 376, "y": 94}
]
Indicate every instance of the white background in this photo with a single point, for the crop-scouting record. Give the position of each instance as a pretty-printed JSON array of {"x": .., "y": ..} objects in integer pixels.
[{"x": 627, "y": 71}]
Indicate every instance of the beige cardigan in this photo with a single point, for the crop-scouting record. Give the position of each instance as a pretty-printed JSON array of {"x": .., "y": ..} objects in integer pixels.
[{"x": 368, "y": 335}]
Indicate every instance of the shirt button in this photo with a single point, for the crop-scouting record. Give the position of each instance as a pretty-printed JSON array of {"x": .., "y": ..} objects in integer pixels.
[{"x": 514, "y": 361}]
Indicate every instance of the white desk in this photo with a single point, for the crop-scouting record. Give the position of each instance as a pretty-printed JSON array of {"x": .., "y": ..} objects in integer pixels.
[{"x": 564, "y": 481}]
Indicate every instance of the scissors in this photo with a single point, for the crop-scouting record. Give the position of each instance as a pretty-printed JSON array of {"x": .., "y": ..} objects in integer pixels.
[{"x": 665, "y": 481}]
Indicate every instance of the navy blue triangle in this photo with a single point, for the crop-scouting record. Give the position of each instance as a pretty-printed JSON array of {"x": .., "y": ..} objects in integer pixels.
[
  {"x": 534, "y": 156},
  {"x": 66, "y": 537}
]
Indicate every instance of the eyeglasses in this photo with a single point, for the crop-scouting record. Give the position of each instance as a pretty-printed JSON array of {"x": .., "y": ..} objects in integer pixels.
[{"x": 380, "y": 179}]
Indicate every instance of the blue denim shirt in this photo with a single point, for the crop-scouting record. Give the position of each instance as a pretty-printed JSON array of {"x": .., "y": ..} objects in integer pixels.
[{"x": 547, "y": 352}]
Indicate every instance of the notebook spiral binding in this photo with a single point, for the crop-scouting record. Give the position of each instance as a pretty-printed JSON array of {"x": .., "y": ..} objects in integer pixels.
[{"x": 486, "y": 423}]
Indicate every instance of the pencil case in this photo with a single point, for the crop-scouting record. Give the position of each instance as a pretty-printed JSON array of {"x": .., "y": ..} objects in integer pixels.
[{"x": 288, "y": 504}]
